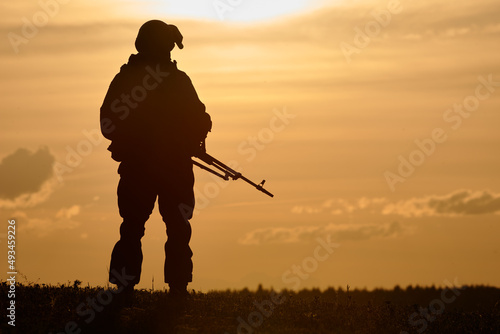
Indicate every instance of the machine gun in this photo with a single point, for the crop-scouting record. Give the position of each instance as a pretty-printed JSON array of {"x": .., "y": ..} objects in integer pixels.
[{"x": 228, "y": 173}]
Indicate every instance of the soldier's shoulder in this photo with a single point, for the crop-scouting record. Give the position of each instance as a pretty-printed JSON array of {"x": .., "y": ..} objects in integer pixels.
[{"x": 181, "y": 73}]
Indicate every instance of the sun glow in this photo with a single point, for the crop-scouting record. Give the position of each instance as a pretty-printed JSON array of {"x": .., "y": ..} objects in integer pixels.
[{"x": 227, "y": 10}]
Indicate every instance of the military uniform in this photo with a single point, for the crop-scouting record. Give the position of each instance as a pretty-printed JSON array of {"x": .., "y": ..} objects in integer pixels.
[{"x": 156, "y": 122}]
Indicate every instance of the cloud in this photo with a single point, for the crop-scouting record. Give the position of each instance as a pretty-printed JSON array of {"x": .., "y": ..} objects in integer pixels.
[
  {"x": 68, "y": 212},
  {"x": 459, "y": 203},
  {"x": 364, "y": 232},
  {"x": 338, "y": 233},
  {"x": 428, "y": 19},
  {"x": 42, "y": 226},
  {"x": 280, "y": 235},
  {"x": 30, "y": 200},
  {"x": 24, "y": 172},
  {"x": 338, "y": 206}
]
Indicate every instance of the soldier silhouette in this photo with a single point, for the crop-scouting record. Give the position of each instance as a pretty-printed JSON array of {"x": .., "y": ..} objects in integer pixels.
[{"x": 156, "y": 123}]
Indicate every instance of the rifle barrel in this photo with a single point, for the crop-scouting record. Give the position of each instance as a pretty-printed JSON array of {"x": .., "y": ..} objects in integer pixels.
[{"x": 228, "y": 171}]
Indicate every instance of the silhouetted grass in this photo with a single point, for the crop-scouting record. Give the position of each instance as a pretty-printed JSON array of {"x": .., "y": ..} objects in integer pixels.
[{"x": 66, "y": 309}]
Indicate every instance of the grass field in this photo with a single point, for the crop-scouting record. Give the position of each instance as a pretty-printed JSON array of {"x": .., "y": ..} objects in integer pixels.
[{"x": 69, "y": 308}]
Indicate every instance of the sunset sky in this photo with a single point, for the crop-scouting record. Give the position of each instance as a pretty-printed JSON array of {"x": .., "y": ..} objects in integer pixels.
[{"x": 375, "y": 124}]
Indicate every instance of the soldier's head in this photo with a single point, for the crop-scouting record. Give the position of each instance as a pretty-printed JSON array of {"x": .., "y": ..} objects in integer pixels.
[{"x": 157, "y": 38}]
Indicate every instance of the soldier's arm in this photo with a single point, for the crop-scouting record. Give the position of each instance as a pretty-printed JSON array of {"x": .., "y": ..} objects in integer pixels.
[{"x": 195, "y": 110}]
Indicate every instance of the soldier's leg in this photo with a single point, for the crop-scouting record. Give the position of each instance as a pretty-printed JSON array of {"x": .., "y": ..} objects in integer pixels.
[
  {"x": 176, "y": 204},
  {"x": 136, "y": 198}
]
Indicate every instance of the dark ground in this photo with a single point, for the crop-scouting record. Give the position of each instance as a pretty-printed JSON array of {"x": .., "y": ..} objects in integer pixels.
[{"x": 68, "y": 308}]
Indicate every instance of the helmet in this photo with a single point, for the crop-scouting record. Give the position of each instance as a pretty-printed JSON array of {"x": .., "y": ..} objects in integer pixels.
[{"x": 157, "y": 37}]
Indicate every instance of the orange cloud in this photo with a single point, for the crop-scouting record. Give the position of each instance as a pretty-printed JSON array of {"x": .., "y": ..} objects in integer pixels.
[
  {"x": 339, "y": 233},
  {"x": 458, "y": 203}
]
